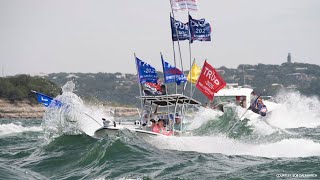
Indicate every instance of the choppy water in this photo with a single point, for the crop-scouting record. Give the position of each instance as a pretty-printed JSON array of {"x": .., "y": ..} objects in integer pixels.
[{"x": 288, "y": 147}]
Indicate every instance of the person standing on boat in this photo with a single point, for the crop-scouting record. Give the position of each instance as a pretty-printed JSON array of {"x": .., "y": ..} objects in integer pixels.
[
  {"x": 243, "y": 102},
  {"x": 145, "y": 119},
  {"x": 148, "y": 115},
  {"x": 177, "y": 124}
]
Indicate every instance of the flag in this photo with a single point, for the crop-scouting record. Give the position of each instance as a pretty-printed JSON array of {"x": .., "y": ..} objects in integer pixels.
[
  {"x": 194, "y": 73},
  {"x": 182, "y": 28},
  {"x": 44, "y": 99},
  {"x": 146, "y": 72},
  {"x": 172, "y": 74},
  {"x": 200, "y": 30},
  {"x": 210, "y": 81},
  {"x": 180, "y": 5},
  {"x": 153, "y": 89},
  {"x": 47, "y": 100}
]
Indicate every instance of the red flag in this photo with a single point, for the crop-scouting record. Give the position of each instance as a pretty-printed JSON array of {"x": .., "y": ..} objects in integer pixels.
[{"x": 210, "y": 81}]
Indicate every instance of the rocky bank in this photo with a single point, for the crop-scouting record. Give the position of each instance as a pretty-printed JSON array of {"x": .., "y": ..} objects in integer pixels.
[{"x": 26, "y": 110}]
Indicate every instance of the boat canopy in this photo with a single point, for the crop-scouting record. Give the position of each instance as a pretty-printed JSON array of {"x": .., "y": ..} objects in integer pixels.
[
  {"x": 170, "y": 100},
  {"x": 234, "y": 92},
  {"x": 238, "y": 91}
]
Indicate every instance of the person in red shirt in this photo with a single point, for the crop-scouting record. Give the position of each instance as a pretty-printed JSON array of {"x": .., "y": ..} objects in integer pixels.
[{"x": 159, "y": 128}]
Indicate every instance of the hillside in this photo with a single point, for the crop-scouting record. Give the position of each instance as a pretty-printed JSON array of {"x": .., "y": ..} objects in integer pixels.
[
  {"x": 122, "y": 89},
  {"x": 18, "y": 88}
]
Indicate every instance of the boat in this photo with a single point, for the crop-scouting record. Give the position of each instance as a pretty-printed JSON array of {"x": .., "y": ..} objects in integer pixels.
[
  {"x": 243, "y": 97},
  {"x": 167, "y": 108}
]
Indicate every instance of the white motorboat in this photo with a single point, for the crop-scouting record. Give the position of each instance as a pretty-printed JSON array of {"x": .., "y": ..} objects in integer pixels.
[{"x": 169, "y": 106}]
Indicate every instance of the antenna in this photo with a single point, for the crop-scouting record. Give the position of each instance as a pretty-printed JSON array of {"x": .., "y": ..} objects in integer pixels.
[
  {"x": 244, "y": 77},
  {"x": 2, "y": 71}
]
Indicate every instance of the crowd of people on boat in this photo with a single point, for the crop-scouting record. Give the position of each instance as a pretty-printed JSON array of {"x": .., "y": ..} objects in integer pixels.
[{"x": 163, "y": 125}]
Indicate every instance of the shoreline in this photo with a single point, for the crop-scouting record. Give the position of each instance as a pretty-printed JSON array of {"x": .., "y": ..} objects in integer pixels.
[{"x": 25, "y": 110}]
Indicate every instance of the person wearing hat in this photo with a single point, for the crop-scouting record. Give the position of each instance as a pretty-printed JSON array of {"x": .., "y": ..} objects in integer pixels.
[{"x": 177, "y": 123}]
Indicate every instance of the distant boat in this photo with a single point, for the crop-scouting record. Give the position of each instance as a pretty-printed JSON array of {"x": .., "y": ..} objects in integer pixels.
[{"x": 241, "y": 96}]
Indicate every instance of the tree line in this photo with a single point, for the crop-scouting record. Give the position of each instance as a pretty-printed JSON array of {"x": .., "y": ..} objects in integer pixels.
[{"x": 18, "y": 88}]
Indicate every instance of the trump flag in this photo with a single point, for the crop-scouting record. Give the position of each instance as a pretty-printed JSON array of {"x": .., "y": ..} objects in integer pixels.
[
  {"x": 210, "y": 81},
  {"x": 146, "y": 72}
]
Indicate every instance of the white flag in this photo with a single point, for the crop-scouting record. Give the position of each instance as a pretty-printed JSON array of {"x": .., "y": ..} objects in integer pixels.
[{"x": 180, "y": 5}]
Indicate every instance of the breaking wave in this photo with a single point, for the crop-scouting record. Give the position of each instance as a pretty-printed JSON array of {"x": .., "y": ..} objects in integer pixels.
[
  {"x": 224, "y": 145},
  {"x": 73, "y": 117},
  {"x": 11, "y": 128}
]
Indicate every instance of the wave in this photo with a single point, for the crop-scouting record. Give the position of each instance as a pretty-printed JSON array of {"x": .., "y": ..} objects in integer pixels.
[
  {"x": 73, "y": 117},
  {"x": 295, "y": 110},
  {"x": 224, "y": 145},
  {"x": 292, "y": 110},
  {"x": 89, "y": 158},
  {"x": 11, "y": 128}
]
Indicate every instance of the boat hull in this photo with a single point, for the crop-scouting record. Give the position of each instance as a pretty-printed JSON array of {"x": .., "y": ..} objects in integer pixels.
[{"x": 112, "y": 131}]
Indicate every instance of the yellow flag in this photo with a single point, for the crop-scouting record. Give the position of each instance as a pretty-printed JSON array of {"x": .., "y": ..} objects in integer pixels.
[{"x": 195, "y": 70}]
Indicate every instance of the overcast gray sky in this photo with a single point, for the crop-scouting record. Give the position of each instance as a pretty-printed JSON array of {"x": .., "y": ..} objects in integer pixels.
[{"x": 102, "y": 35}]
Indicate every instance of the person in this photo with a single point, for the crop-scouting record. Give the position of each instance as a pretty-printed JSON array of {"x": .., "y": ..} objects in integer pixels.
[
  {"x": 153, "y": 124},
  {"x": 177, "y": 124},
  {"x": 259, "y": 107},
  {"x": 148, "y": 115},
  {"x": 253, "y": 98},
  {"x": 206, "y": 105},
  {"x": 259, "y": 103},
  {"x": 145, "y": 118},
  {"x": 238, "y": 100},
  {"x": 243, "y": 102},
  {"x": 159, "y": 128}
]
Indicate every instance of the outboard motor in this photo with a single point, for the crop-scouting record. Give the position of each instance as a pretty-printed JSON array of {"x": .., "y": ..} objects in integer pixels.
[{"x": 105, "y": 122}]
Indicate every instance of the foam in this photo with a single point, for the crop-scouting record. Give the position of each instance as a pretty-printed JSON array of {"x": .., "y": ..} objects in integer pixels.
[
  {"x": 227, "y": 146},
  {"x": 11, "y": 128},
  {"x": 295, "y": 110},
  {"x": 74, "y": 117},
  {"x": 203, "y": 116}
]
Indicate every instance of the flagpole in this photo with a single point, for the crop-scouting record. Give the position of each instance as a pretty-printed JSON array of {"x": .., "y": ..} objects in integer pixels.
[
  {"x": 178, "y": 42},
  {"x": 190, "y": 72},
  {"x": 174, "y": 55},
  {"x": 165, "y": 84},
  {"x": 190, "y": 56},
  {"x": 140, "y": 88},
  {"x": 198, "y": 79}
]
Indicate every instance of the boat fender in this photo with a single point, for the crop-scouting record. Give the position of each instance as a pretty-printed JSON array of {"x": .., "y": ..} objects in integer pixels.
[{"x": 137, "y": 123}]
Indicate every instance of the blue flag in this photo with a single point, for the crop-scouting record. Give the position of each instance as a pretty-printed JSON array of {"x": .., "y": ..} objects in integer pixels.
[
  {"x": 200, "y": 30},
  {"x": 47, "y": 100},
  {"x": 182, "y": 28},
  {"x": 146, "y": 72},
  {"x": 172, "y": 74}
]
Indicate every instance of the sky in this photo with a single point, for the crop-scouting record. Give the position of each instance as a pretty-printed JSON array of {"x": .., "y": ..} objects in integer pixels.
[{"x": 45, "y": 36}]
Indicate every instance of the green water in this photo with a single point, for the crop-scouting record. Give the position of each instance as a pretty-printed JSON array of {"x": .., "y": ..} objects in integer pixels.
[{"x": 26, "y": 154}]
